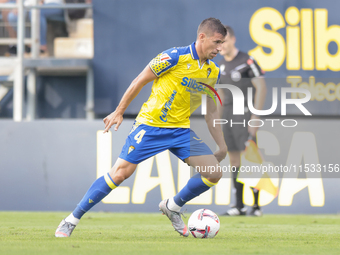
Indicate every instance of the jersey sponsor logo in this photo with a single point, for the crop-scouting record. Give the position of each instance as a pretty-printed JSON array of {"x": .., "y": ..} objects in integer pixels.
[
  {"x": 167, "y": 107},
  {"x": 191, "y": 84},
  {"x": 193, "y": 87},
  {"x": 164, "y": 57},
  {"x": 209, "y": 93}
]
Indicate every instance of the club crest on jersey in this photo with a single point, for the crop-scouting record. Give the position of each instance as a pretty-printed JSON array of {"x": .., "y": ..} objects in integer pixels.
[
  {"x": 164, "y": 57},
  {"x": 208, "y": 72},
  {"x": 131, "y": 149},
  {"x": 235, "y": 75}
]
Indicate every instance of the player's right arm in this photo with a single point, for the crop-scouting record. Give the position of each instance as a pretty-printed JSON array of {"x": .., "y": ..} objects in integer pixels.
[
  {"x": 157, "y": 67},
  {"x": 116, "y": 117}
]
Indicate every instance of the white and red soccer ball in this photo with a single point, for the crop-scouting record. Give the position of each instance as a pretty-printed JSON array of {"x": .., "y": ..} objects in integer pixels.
[{"x": 204, "y": 223}]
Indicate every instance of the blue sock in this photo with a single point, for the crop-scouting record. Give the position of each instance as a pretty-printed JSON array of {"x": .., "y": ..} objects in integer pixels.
[
  {"x": 99, "y": 189},
  {"x": 195, "y": 186}
]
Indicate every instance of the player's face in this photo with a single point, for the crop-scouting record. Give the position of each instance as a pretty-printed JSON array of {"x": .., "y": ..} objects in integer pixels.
[
  {"x": 228, "y": 45},
  {"x": 212, "y": 45}
]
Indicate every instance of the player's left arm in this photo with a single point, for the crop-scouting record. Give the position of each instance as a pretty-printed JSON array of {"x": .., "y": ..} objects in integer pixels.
[
  {"x": 259, "y": 84},
  {"x": 216, "y": 131}
]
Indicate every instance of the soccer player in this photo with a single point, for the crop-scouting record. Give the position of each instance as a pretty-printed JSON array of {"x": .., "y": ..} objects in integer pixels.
[
  {"x": 239, "y": 69},
  {"x": 163, "y": 123}
]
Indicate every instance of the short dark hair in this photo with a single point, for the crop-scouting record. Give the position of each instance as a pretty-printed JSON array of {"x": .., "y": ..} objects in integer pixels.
[
  {"x": 210, "y": 26},
  {"x": 230, "y": 31}
]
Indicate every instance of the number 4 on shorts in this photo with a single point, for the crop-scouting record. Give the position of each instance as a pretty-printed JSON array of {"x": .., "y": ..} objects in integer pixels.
[{"x": 139, "y": 136}]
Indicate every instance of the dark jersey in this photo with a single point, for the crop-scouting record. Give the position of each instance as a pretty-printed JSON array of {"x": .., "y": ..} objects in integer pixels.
[{"x": 238, "y": 72}]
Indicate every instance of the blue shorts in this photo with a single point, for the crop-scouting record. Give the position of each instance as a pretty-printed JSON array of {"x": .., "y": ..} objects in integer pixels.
[{"x": 146, "y": 141}]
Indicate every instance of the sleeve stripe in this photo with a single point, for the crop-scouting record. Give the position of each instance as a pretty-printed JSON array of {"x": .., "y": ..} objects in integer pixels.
[{"x": 254, "y": 68}]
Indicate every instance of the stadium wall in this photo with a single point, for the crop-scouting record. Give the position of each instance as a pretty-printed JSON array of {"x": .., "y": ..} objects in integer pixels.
[
  {"x": 49, "y": 165},
  {"x": 296, "y": 42},
  {"x": 57, "y": 97}
]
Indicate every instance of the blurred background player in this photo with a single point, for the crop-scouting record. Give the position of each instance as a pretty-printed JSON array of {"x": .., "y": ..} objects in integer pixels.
[{"x": 239, "y": 69}]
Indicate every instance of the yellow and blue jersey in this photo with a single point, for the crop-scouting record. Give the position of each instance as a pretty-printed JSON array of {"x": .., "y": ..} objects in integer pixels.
[{"x": 177, "y": 90}]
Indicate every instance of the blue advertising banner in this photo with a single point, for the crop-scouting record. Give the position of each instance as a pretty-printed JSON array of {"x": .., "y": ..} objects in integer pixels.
[{"x": 295, "y": 42}]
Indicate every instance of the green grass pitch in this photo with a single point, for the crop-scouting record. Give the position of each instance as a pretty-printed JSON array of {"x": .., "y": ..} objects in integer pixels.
[{"x": 141, "y": 233}]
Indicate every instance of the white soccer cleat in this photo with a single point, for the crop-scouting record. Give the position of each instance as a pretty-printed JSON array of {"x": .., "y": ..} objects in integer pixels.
[
  {"x": 175, "y": 218},
  {"x": 64, "y": 229}
]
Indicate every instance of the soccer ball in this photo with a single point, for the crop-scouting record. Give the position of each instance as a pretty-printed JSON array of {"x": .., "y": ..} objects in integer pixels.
[{"x": 204, "y": 223}]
